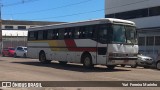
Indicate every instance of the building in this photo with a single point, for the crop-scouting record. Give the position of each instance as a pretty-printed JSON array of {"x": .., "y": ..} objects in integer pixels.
[
  {"x": 146, "y": 15},
  {"x": 14, "y": 33}
]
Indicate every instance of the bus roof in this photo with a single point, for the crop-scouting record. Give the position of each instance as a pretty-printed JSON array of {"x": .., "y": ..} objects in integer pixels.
[{"x": 88, "y": 22}]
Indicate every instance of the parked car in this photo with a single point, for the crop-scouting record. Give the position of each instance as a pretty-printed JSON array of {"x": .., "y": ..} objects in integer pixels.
[
  {"x": 8, "y": 52},
  {"x": 143, "y": 61},
  {"x": 158, "y": 62},
  {"x": 20, "y": 51}
]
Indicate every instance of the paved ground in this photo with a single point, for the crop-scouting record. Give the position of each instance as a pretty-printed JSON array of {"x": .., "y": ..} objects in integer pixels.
[{"x": 19, "y": 69}]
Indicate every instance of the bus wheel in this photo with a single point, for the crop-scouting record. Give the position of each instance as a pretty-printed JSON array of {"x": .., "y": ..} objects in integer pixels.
[
  {"x": 42, "y": 58},
  {"x": 111, "y": 67},
  {"x": 134, "y": 66},
  {"x": 158, "y": 65},
  {"x": 122, "y": 65},
  {"x": 62, "y": 62},
  {"x": 87, "y": 61}
]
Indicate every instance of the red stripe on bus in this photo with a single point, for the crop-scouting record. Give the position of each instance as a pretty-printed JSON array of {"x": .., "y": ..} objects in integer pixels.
[{"x": 70, "y": 43}]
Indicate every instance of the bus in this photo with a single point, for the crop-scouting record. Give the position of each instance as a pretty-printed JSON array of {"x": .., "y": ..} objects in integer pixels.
[{"x": 106, "y": 41}]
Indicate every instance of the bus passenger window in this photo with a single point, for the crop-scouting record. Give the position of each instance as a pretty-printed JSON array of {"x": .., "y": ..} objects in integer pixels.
[
  {"x": 61, "y": 34},
  {"x": 103, "y": 34},
  {"x": 32, "y": 35},
  {"x": 40, "y": 35},
  {"x": 76, "y": 33},
  {"x": 50, "y": 34},
  {"x": 83, "y": 33},
  {"x": 45, "y": 34},
  {"x": 55, "y": 34}
]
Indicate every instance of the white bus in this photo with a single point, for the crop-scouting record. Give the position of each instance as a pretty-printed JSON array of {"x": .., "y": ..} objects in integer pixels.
[{"x": 105, "y": 41}]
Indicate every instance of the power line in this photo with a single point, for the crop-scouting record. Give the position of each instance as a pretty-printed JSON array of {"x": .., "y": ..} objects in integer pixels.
[
  {"x": 45, "y": 10},
  {"x": 90, "y": 11},
  {"x": 71, "y": 14},
  {"x": 128, "y": 4},
  {"x": 18, "y": 3},
  {"x": 83, "y": 12}
]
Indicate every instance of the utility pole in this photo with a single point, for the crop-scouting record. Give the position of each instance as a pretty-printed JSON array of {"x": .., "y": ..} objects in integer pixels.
[{"x": 1, "y": 41}]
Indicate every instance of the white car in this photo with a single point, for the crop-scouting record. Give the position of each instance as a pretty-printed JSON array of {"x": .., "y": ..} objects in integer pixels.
[
  {"x": 143, "y": 61},
  {"x": 20, "y": 51}
]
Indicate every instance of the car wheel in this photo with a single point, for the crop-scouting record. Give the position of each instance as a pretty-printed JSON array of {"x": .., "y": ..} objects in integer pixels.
[
  {"x": 87, "y": 61},
  {"x": 3, "y": 55},
  {"x": 15, "y": 55},
  {"x": 158, "y": 65},
  {"x": 111, "y": 67},
  {"x": 24, "y": 55},
  {"x": 42, "y": 58}
]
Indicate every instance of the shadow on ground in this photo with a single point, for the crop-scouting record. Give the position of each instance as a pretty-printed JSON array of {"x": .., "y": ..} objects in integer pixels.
[{"x": 72, "y": 67}]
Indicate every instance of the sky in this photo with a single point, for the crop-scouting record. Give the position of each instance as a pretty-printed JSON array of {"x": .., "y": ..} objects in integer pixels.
[{"x": 52, "y": 10}]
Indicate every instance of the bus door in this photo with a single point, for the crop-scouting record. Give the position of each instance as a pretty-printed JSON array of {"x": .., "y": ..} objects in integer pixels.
[{"x": 102, "y": 45}]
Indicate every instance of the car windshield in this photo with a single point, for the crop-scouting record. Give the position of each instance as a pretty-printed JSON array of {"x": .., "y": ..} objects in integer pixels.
[
  {"x": 124, "y": 34},
  {"x": 25, "y": 48},
  {"x": 11, "y": 49}
]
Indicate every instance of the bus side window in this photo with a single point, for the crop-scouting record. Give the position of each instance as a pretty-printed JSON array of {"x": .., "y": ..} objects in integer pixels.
[
  {"x": 71, "y": 33},
  {"x": 45, "y": 34},
  {"x": 83, "y": 33},
  {"x": 102, "y": 34},
  {"x": 32, "y": 35},
  {"x": 61, "y": 34},
  {"x": 89, "y": 32},
  {"x": 76, "y": 33},
  {"x": 55, "y": 34},
  {"x": 68, "y": 33},
  {"x": 50, "y": 35},
  {"x": 95, "y": 32},
  {"x": 40, "y": 35}
]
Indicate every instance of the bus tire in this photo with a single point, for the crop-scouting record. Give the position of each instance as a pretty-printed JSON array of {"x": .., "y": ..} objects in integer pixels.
[
  {"x": 158, "y": 65},
  {"x": 111, "y": 67},
  {"x": 87, "y": 61},
  {"x": 122, "y": 65},
  {"x": 134, "y": 66},
  {"x": 42, "y": 58}
]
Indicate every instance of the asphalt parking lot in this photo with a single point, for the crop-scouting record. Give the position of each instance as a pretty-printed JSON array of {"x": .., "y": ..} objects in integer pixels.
[{"x": 20, "y": 69}]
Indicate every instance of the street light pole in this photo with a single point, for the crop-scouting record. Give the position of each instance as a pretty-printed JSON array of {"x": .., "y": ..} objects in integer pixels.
[{"x": 1, "y": 41}]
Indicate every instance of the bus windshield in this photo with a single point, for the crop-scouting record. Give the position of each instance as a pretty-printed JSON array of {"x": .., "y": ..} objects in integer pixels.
[{"x": 124, "y": 34}]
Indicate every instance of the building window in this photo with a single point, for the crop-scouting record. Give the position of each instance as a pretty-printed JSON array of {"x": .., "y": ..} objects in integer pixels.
[
  {"x": 154, "y": 11},
  {"x": 157, "y": 40},
  {"x": 110, "y": 16},
  {"x": 141, "y": 41},
  {"x": 8, "y": 27},
  {"x": 132, "y": 14},
  {"x": 21, "y": 27},
  {"x": 150, "y": 41}
]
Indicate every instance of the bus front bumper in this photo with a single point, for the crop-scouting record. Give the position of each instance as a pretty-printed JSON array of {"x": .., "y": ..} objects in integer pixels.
[{"x": 120, "y": 60}]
